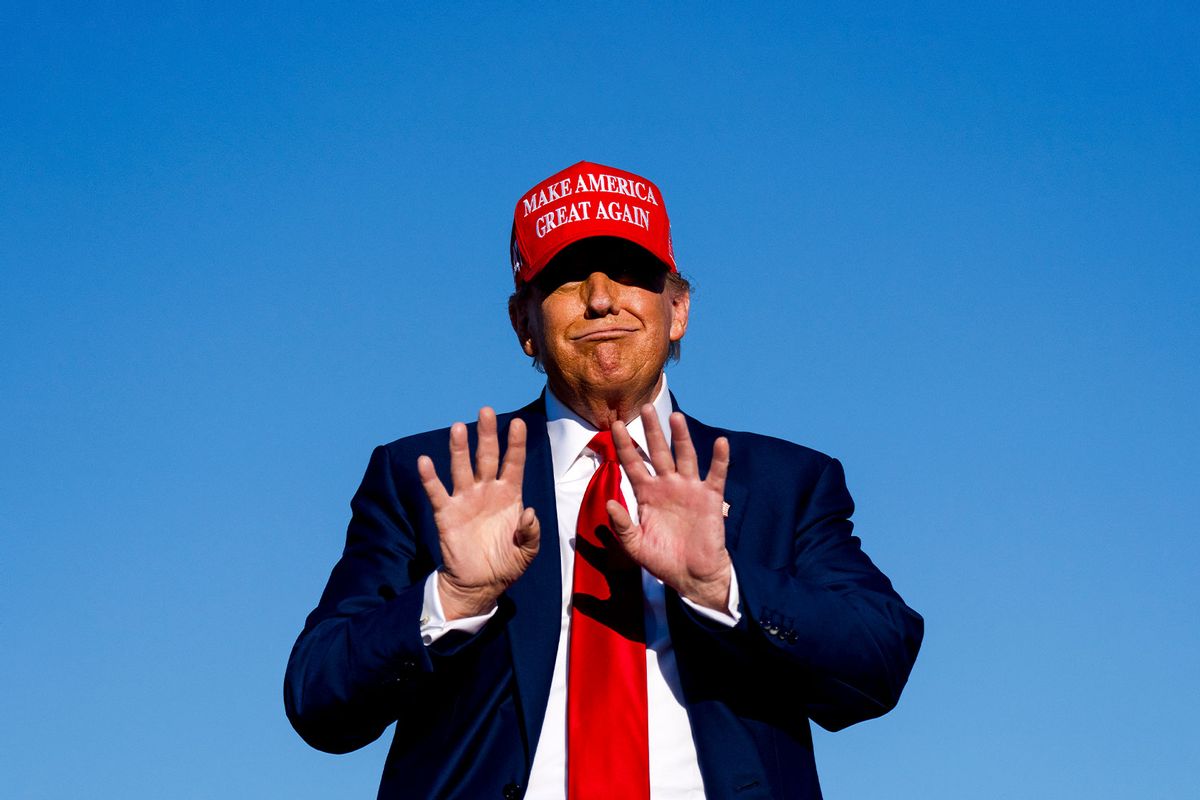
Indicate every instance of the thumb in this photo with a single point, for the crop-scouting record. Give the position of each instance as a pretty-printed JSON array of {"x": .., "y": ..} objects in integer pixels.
[
  {"x": 529, "y": 532},
  {"x": 628, "y": 534}
]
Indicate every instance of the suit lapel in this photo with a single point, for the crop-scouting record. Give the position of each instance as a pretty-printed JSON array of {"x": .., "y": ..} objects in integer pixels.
[{"x": 537, "y": 595}]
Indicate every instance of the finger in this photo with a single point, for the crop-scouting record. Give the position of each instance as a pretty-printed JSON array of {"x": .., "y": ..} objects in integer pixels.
[
  {"x": 628, "y": 534},
  {"x": 513, "y": 469},
  {"x": 720, "y": 465},
  {"x": 431, "y": 483},
  {"x": 660, "y": 451},
  {"x": 487, "y": 450},
  {"x": 628, "y": 455},
  {"x": 460, "y": 458},
  {"x": 529, "y": 532},
  {"x": 685, "y": 451}
]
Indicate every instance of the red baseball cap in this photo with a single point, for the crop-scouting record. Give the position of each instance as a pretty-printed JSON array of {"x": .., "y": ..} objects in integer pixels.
[{"x": 582, "y": 201}]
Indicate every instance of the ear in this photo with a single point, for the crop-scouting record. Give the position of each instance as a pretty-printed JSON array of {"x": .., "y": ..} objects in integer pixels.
[
  {"x": 518, "y": 316},
  {"x": 681, "y": 304}
]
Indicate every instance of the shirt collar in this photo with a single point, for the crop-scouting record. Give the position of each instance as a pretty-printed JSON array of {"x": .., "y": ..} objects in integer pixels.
[{"x": 570, "y": 433}]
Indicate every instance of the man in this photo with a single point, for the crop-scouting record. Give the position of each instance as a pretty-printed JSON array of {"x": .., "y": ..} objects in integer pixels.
[{"x": 619, "y": 602}]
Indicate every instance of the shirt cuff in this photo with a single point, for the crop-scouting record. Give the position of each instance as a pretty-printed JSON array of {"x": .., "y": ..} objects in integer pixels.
[
  {"x": 734, "y": 614},
  {"x": 434, "y": 624}
]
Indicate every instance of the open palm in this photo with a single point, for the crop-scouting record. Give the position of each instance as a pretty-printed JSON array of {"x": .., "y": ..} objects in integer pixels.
[
  {"x": 488, "y": 538},
  {"x": 680, "y": 537}
]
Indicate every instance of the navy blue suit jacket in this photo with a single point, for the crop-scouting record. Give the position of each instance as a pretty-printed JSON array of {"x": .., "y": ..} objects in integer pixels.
[{"x": 822, "y": 635}]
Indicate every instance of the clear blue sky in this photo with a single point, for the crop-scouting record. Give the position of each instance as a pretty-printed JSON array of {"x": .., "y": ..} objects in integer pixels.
[{"x": 958, "y": 247}]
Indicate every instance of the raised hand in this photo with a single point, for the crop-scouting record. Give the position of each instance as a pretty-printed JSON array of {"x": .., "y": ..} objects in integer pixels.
[
  {"x": 680, "y": 538},
  {"x": 488, "y": 537}
]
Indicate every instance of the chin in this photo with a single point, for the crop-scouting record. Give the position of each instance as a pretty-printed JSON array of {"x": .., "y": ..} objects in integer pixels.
[{"x": 629, "y": 372}]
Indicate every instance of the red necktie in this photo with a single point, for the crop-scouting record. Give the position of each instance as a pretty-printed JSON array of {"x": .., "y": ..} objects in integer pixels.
[{"x": 607, "y": 733}]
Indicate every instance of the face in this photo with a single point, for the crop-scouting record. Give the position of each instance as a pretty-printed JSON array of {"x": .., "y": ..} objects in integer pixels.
[{"x": 604, "y": 325}]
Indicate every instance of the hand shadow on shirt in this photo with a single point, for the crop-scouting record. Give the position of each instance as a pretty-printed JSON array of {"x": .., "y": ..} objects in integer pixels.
[{"x": 621, "y": 611}]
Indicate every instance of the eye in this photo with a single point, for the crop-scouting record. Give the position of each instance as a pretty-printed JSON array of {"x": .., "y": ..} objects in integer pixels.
[
  {"x": 564, "y": 274},
  {"x": 628, "y": 277},
  {"x": 565, "y": 287}
]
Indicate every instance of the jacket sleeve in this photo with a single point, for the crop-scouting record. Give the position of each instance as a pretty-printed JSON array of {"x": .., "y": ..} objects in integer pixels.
[
  {"x": 359, "y": 663},
  {"x": 826, "y": 628}
]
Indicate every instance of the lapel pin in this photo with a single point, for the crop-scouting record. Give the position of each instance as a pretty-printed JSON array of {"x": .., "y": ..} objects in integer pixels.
[{"x": 724, "y": 509}]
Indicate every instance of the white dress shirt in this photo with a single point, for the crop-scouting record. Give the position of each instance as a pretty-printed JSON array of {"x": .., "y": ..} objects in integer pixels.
[{"x": 674, "y": 771}]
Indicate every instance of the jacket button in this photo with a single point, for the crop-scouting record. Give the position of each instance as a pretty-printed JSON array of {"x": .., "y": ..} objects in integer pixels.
[
  {"x": 792, "y": 637},
  {"x": 511, "y": 791}
]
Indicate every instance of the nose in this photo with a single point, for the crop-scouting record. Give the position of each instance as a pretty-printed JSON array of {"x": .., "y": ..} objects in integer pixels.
[{"x": 600, "y": 295}]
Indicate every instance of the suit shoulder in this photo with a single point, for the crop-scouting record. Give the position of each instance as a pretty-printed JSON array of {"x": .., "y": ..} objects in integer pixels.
[
  {"x": 759, "y": 446},
  {"x": 434, "y": 443},
  {"x": 782, "y": 473},
  {"x": 418, "y": 443}
]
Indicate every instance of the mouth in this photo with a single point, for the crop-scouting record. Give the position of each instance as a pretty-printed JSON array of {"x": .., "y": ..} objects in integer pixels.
[{"x": 604, "y": 334}]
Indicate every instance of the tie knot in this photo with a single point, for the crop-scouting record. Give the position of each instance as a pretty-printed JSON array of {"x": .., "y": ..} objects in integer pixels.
[{"x": 602, "y": 445}]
